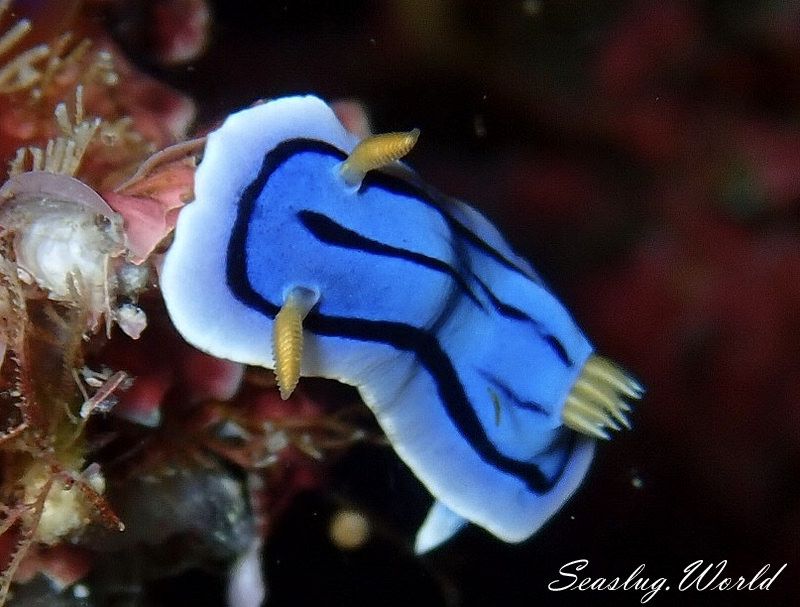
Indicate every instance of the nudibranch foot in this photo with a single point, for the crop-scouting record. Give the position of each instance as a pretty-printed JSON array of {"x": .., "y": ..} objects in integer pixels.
[
  {"x": 439, "y": 526},
  {"x": 596, "y": 403},
  {"x": 375, "y": 152},
  {"x": 287, "y": 337}
]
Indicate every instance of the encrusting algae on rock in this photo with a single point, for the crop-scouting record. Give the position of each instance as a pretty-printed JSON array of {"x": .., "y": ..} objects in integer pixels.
[
  {"x": 62, "y": 249},
  {"x": 84, "y": 213}
]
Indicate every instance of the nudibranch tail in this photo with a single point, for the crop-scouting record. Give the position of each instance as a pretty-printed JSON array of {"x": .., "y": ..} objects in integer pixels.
[
  {"x": 595, "y": 402},
  {"x": 287, "y": 338},
  {"x": 375, "y": 152}
]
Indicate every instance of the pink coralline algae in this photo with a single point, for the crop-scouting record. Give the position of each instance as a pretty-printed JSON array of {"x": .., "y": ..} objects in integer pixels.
[{"x": 112, "y": 424}]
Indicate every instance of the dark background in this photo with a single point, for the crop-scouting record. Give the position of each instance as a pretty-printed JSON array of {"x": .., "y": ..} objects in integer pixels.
[{"x": 646, "y": 157}]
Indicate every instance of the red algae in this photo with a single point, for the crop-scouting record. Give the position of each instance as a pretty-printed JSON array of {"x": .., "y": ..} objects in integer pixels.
[{"x": 104, "y": 407}]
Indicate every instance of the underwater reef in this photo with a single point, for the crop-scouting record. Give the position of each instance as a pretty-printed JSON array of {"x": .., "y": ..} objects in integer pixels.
[
  {"x": 123, "y": 449},
  {"x": 645, "y": 155}
]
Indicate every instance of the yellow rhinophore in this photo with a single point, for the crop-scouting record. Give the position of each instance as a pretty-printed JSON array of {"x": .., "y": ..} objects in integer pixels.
[
  {"x": 375, "y": 152},
  {"x": 596, "y": 400},
  {"x": 287, "y": 337}
]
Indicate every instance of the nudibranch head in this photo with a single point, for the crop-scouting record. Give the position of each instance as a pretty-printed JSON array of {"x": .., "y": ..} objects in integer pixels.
[{"x": 303, "y": 253}]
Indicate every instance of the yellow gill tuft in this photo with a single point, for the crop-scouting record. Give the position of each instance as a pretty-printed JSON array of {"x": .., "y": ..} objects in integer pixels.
[{"x": 596, "y": 401}]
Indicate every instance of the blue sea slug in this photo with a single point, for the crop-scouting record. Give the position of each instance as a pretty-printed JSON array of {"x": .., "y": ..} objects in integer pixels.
[{"x": 314, "y": 254}]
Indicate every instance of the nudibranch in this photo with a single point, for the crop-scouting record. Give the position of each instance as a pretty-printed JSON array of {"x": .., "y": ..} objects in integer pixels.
[{"x": 312, "y": 253}]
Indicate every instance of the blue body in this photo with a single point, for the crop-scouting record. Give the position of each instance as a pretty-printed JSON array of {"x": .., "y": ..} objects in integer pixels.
[{"x": 458, "y": 348}]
